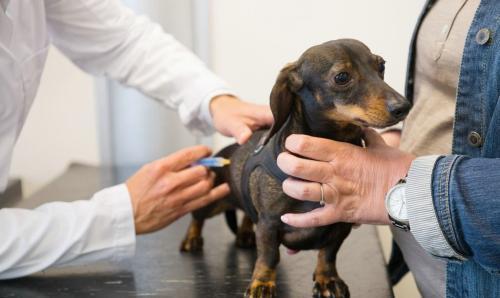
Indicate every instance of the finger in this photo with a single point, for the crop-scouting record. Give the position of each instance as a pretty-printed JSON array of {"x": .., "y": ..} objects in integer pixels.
[
  {"x": 315, "y": 218},
  {"x": 182, "y": 158},
  {"x": 309, "y": 191},
  {"x": 302, "y": 190},
  {"x": 184, "y": 195},
  {"x": 316, "y": 148},
  {"x": 171, "y": 181},
  {"x": 373, "y": 138},
  {"x": 264, "y": 116},
  {"x": 306, "y": 169},
  {"x": 215, "y": 194},
  {"x": 241, "y": 133}
]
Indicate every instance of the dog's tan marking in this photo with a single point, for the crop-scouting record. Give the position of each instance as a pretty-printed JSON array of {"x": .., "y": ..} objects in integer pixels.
[
  {"x": 318, "y": 97},
  {"x": 349, "y": 112},
  {"x": 339, "y": 67},
  {"x": 195, "y": 228},
  {"x": 193, "y": 240},
  {"x": 263, "y": 282},
  {"x": 263, "y": 272},
  {"x": 327, "y": 282},
  {"x": 343, "y": 115},
  {"x": 374, "y": 112},
  {"x": 377, "y": 109}
]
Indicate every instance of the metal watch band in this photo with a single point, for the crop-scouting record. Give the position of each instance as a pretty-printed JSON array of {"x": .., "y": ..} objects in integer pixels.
[{"x": 398, "y": 224}]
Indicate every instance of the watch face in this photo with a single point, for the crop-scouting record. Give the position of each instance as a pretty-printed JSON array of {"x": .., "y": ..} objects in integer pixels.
[{"x": 396, "y": 203}]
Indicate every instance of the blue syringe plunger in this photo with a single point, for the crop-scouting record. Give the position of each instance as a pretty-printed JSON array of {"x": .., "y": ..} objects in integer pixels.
[{"x": 213, "y": 162}]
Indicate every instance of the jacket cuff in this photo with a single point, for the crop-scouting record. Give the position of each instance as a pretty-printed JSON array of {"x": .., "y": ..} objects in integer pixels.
[
  {"x": 117, "y": 200},
  {"x": 195, "y": 109},
  {"x": 205, "y": 115},
  {"x": 424, "y": 223}
]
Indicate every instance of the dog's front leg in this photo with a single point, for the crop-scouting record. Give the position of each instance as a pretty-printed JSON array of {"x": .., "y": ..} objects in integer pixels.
[
  {"x": 327, "y": 282},
  {"x": 264, "y": 274}
]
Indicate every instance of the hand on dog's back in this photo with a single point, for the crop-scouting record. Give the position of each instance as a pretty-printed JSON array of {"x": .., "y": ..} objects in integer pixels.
[{"x": 238, "y": 119}]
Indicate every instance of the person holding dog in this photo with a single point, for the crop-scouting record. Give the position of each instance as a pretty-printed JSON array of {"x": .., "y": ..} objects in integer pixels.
[
  {"x": 104, "y": 37},
  {"x": 440, "y": 189}
]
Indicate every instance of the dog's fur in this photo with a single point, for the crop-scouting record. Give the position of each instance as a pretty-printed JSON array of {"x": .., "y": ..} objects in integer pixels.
[{"x": 314, "y": 94}]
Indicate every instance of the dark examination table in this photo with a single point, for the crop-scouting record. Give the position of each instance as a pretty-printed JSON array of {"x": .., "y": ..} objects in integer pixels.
[{"x": 159, "y": 270}]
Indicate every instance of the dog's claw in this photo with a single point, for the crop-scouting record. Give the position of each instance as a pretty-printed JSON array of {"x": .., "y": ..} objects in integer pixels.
[
  {"x": 194, "y": 244},
  {"x": 333, "y": 288},
  {"x": 245, "y": 239},
  {"x": 259, "y": 289}
]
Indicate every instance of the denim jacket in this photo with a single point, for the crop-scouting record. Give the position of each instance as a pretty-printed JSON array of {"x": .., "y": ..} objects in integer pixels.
[{"x": 454, "y": 201}]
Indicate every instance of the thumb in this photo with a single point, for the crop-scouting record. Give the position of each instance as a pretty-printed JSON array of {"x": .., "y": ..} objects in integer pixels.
[
  {"x": 241, "y": 133},
  {"x": 317, "y": 217},
  {"x": 373, "y": 138},
  {"x": 265, "y": 116}
]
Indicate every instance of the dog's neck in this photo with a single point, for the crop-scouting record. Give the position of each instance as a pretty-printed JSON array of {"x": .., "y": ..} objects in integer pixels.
[
  {"x": 298, "y": 124},
  {"x": 303, "y": 121}
]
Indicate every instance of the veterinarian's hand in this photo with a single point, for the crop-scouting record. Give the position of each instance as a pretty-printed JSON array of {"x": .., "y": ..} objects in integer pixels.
[
  {"x": 235, "y": 118},
  {"x": 166, "y": 189},
  {"x": 355, "y": 179}
]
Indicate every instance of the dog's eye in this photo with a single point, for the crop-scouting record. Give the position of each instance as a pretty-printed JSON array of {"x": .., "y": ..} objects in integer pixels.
[
  {"x": 381, "y": 67},
  {"x": 342, "y": 78}
]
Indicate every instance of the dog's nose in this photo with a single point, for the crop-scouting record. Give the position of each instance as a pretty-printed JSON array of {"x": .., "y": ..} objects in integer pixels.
[{"x": 399, "y": 110}]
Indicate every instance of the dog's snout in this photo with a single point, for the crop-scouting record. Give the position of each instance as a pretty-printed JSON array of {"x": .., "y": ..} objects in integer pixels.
[{"x": 400, "y": 109}]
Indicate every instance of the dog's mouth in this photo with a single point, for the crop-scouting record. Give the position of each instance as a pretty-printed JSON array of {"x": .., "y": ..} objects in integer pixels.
[
  {"x": 361, "y": 122},
  {"x": 364, "y": 123}
]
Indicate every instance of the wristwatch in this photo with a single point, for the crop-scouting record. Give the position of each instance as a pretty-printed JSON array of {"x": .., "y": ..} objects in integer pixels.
[{"x": 395, "y": 204}]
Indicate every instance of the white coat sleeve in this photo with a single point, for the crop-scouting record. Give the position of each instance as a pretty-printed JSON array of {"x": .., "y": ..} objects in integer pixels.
[
  {"x": 61, "y": 234},
  {"x": 105, "y": 37}
]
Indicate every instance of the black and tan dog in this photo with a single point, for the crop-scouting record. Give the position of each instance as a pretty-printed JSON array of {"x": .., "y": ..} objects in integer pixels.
[{"x": 332, "y": 91}]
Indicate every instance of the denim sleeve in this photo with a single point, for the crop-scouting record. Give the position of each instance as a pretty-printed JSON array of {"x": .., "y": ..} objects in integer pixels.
[
  {"x": 463, "y": 220},
  {"x": 466, "y": 196},
  {"x": 424, "y": 222}
]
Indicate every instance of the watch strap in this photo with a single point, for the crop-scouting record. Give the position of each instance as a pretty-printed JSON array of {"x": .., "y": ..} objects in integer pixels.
[{"x": 399, "y": 224}]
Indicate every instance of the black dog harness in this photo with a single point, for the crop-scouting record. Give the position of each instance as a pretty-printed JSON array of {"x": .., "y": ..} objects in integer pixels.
[{"x": 263, "y": 156}]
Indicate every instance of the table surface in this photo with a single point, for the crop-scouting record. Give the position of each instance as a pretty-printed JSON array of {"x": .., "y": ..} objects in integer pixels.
[{"x": 160, "y": 270}]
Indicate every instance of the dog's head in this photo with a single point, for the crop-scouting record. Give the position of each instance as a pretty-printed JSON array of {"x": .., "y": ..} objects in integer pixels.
[{"x": 339, "y": 81}]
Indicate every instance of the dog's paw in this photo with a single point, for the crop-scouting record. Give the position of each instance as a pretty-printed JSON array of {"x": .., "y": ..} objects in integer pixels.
[
  {"x": 192, "y": 244},
  {"x": 330, "y": 288},
  {"x": 245, "y": 239},
  {"x": 261, "y": 289}
]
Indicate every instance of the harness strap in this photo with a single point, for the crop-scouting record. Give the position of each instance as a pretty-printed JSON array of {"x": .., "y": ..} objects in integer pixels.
[{"x": 265, "y": 158}]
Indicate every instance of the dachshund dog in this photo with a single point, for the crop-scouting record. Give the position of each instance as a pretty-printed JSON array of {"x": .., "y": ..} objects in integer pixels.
[{"x": 333, "y": 91}]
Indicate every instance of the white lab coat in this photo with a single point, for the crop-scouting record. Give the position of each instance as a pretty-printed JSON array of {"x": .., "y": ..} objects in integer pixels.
[{"x": 101, "y": 37}]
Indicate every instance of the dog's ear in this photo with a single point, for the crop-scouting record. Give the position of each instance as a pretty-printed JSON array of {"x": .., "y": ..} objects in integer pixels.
[{"x": 282, "y": 97}]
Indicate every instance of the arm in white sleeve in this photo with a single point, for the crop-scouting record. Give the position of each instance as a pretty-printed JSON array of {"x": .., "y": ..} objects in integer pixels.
[
  {"x": 105, "y": 37},
  {"x": 61, "y": 234}
]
